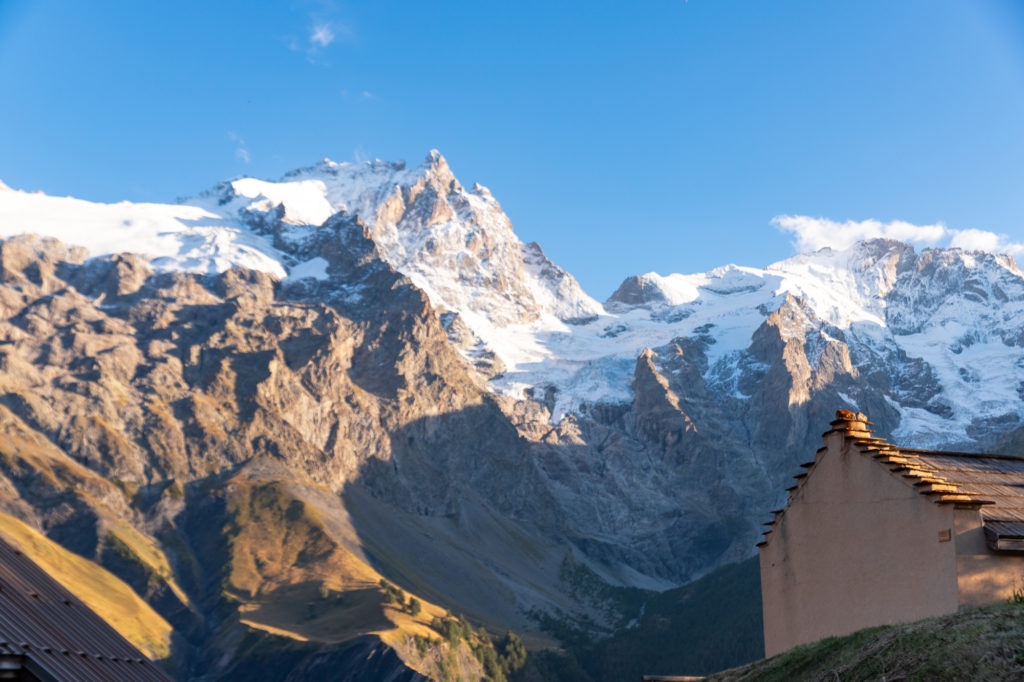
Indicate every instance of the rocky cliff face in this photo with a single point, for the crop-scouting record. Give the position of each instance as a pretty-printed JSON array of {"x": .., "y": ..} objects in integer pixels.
[
  {"x": 226, "y": 442},
  {"x": 139, "y": 407},
  {"x": 292, "y": 389},
  {"x": 455, "y": 244}
]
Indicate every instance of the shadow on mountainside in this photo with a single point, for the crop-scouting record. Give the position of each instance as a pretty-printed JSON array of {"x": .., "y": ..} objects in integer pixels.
[
  {"x": 469, "y": 514},
  {"x": 709, "y": 625}
]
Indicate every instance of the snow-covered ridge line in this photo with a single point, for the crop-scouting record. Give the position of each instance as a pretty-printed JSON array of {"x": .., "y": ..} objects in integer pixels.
[
  {"x": 948, "y": 318},
  {"x": 958, "y": 312},
  {"x": 455, "y": 244},
  {"x": 172, "y": 237}
]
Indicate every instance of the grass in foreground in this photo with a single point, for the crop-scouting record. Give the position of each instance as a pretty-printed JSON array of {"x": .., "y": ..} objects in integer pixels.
[{"x": 977, "y": 644}]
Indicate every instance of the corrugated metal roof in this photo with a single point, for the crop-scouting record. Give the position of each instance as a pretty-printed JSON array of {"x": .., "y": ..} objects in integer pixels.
[
  {"x": 61, "y": 637},
  {"x": 1005, "y": 529}
]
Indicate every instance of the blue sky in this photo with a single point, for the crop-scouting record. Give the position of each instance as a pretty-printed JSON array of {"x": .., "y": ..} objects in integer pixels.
[{"x": 624, "y": 137}]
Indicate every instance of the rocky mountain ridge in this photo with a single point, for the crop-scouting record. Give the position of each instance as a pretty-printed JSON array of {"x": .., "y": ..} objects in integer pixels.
[
  {"x": 366, "y": 360},
  {"x": 529, "y": 327},
  {"x": 455, "y": 244}
]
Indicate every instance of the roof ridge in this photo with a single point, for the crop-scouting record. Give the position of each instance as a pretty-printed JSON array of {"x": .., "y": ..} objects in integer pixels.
[
  {"x": 931, "y": 480},
  {"x": 950, "y": 453}
]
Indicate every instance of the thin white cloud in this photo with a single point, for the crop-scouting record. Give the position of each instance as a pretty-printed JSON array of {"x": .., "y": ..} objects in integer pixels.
[
  {"x": 811, "y": 234},
  {"x": 241, "y": 151},
  {"x": 322, "y": 31},
  {"x": 983, "y": 240},
  {"x": 360, "y": 96},
  {"x": 322, "y": 35}
]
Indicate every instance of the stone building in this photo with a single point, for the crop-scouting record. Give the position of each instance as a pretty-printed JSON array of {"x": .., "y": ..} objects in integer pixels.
[{"x": 875, "y": 534}]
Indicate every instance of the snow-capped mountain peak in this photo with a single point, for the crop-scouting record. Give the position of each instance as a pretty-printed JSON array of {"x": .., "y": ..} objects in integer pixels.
[
  {"x": 456, "y": 245},
  {"x": 514, "y": 312}
]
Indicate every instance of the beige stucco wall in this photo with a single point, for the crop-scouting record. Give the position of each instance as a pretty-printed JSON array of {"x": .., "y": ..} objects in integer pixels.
[
  {"x": 985, "y": 576},
  {"x": 857, "y": 546}
]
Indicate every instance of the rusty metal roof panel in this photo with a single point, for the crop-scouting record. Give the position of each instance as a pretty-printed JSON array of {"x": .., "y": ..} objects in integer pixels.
[
  {"x": 1003, "y": 513},
  {"x": 997, "y": 477},
  {"x": 57, "y": 633},
  {"x": 961, "y": 462},
  {"x": 962, "y": 455},
  {"x": 992, "y": 489}
]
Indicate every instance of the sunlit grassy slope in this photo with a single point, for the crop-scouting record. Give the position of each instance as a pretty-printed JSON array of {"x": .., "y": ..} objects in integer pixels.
[
  {"x": 291, "y": 577},
  {"x": 289, "y": 574},
  {"x": 25, "y": 453},
  {"x": 102, "y": 591}
]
